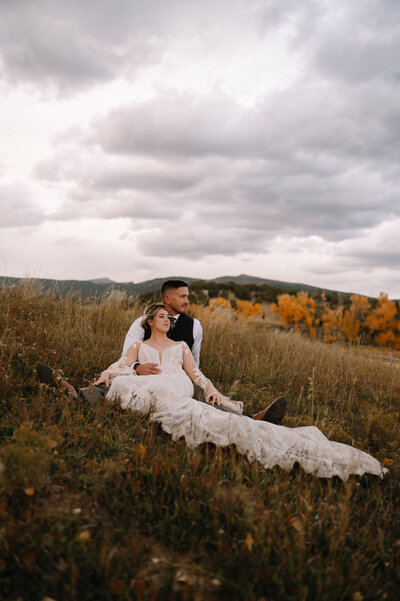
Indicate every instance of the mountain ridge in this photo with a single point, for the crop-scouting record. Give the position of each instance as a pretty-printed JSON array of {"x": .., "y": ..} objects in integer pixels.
[{"x": 100, "y": 286}]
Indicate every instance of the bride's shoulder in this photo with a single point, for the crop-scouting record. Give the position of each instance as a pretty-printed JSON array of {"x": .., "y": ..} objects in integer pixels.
[
  {"x": 185, "y": 347},
  {"x": 179, "y": 344}
]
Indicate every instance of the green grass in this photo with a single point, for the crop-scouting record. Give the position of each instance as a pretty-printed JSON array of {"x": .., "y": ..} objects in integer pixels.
[{"x": 98, "y": 503}]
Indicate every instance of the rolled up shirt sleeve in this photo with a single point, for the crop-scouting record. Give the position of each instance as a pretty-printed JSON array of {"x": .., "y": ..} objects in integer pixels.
[{"x": 198, "y": 337}]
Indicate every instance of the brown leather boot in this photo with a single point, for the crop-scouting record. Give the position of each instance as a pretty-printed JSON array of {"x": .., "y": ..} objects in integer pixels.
[
  {"x": 47, "y": 376},
  {"x": 274, "y": 412}
]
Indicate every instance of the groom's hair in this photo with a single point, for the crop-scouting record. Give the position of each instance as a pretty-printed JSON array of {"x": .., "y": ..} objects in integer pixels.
[{"x": 172, "y": 284}]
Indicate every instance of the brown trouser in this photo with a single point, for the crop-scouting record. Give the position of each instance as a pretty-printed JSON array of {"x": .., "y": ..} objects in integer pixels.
[{"x": 226, "y": 404}]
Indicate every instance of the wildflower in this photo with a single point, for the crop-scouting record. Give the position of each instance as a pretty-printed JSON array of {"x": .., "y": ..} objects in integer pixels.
[
  {"x": 83, "y": 536},
  {"x": 141, "y": 451},
  {"x": 249, "y": 542}
]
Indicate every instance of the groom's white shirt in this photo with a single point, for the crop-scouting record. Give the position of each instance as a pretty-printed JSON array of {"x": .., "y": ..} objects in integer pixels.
[{"x": 136, "y": 334}]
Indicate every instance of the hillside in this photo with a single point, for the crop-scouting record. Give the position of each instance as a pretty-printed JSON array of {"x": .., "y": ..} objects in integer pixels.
[
  {"x": 99, "y": 287},
  {"x": 88, "y": 288},
  {"x": 98, "y": 502},
  {"x": 291, "y": 286}
]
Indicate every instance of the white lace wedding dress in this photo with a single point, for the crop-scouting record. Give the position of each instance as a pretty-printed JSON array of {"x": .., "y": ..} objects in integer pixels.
[{"x": 167, "y": 398}]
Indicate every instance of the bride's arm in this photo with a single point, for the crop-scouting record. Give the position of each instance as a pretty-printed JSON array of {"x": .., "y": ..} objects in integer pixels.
[
  {"x": 198, "y": 377},
  {"x": 121, "y": 367}
]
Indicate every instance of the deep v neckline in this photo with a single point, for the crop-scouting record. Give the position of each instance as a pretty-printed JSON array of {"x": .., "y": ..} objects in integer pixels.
[{"x": 160, "y": 357}]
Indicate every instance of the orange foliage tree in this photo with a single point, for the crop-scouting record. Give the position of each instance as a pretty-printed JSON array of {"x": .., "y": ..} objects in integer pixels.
[
  {"x": 219, "y": 302},
  {"x": 247, "y": 310},
  {"x": 308, "y": 314},
  {"x": 383, "y": 322},
  {"x": 353, "y": 319},
  {"x": 295, "y": 310},
  {"x": 331, "y": 320}
]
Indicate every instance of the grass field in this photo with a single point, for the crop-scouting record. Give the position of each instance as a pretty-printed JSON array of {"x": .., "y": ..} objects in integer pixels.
[{"x": 97, "y": 503}]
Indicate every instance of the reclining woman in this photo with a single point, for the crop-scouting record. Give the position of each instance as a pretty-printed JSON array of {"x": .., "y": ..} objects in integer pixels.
[{"x": 167, "y": 398}]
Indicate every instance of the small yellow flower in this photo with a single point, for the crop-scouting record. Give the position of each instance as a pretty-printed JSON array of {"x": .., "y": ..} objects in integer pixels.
[
  {"x": 141, "y": 451},
  {"x": 83, "y": 536},
  {"x": 29, "y": 491},
  {"x": 249, "y": 542},
  {"x": 387, "y": 461}
]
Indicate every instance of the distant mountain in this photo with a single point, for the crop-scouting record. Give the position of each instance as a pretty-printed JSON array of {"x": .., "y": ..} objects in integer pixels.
[
  {"x": 251, "y": 279},
  {"x": 102, "y": 281},
  {"x": 89, "y": 288},
  {"x": 101, "y": 286}
]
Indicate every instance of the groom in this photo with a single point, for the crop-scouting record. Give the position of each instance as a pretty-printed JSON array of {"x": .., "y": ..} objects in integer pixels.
[{"x": 175, "y": 297}]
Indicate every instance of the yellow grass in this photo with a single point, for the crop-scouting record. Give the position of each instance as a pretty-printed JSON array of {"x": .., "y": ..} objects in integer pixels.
[{"x": 96, "y": 503}]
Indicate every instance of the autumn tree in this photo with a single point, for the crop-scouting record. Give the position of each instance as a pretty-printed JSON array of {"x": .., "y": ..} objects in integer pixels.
[
  {"x": 354, "y": 318},
  {"x": 220, "y": 303},
  {"x": 350, "y": 323},
  {"x": 247, "y": 310},
  {"x": 293, "y": 310},
  {"x": 308, "y": 306},
  {"x": 331, "y": 320},
  {"x": 288, "y": 309},
  {"x": 383, "y": 322}
]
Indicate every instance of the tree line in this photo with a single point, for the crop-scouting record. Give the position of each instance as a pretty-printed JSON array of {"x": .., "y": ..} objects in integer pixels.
[{"x": 358, "y": 321}]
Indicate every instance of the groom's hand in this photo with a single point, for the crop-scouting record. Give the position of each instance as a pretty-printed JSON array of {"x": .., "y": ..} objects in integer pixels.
[{"x": 148, "y": 369}]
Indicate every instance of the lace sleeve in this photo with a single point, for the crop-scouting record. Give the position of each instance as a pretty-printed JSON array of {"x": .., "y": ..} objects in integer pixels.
[
  {"x": 194, "y": 372},
  {"x": 122, "y": 366}
]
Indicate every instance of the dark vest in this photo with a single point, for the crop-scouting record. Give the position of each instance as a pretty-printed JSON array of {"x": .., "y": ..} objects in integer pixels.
[{"x": 183, "y": 330}]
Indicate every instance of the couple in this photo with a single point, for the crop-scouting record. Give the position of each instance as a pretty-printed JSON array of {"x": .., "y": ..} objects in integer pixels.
[
  {"x": 175, "y": 298},
  {"x": 155, "y": 376}
]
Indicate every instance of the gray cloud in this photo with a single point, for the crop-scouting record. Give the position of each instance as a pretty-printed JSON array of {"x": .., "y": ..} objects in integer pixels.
[
  {"x": 377, "y": 248},
  {"x": 361, "y": 44},
  {"x": 353, "y": 42},
  {"x": 17, "y": 207},
  {"x": 196, "y": 240},
  {"x": 321, "y": 122},
  {"x": 252, "y": 171},
  {"x": 70, "y": 44},
  {"x": 317, "y": 158}
]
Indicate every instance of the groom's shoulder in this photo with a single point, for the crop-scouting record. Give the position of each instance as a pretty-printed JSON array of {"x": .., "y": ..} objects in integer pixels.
[
  {"x": 186, "y": 317},
  {"x": 194, "y": 322},
  {"x": 189, "y": 319}
]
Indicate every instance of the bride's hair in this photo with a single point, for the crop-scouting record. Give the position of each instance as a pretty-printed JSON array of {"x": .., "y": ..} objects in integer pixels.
[{"x": 150, "y": 313}]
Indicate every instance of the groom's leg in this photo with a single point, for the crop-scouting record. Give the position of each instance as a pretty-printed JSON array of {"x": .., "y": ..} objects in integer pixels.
[
  {"x": 226, "y": 404},
  {"x": 94, "y": 393}
]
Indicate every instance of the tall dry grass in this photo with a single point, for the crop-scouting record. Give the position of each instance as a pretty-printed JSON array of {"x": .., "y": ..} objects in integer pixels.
[{"x": 96, "y": 503}]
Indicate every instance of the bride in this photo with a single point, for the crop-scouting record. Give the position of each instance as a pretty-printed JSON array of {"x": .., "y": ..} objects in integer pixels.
[{"x": 167, "y": 398}]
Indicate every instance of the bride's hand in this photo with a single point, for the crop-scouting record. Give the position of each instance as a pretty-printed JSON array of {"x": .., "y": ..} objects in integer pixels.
[
  {"x": 104, "y": 379},
  {"x": 214, "y": 398}
]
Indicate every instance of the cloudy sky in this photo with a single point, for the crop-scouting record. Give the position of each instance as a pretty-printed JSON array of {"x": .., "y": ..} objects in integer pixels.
[{"x": 201, "y": 138}]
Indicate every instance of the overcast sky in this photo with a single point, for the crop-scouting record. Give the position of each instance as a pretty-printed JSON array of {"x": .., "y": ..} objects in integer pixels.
[{"x": 201, "y": 138}]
